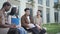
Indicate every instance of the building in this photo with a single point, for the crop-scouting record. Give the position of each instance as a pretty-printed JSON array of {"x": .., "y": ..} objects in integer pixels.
[
  {"x": 46, "y": 6},
  {"x": 57, "y": 11}
]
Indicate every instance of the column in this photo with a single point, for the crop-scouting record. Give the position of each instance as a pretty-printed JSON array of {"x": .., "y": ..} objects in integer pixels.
[
  {"x": 59, "y": 12},
  {"x": 52, "y": 20},
  {"x": 35, "y": 7},
  {"x": 59, "y": 16},
  {"x": 44, "y": 12},
  {"x": 22, "y": 7}
]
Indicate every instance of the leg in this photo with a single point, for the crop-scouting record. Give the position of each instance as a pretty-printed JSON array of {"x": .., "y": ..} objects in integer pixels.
[
  {"x": 43, "y": 31},
  {"x": 13, "y": 31},
  {"x": 35, "y": 30},
  {"x": 22, "y": 31}
]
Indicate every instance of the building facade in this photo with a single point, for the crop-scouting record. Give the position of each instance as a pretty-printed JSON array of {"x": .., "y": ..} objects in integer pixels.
[
  {"x": 57, "y": 11},
  {"x": 46, "y": 6}
]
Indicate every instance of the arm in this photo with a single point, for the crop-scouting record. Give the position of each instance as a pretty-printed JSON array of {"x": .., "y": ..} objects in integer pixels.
[
  {"x": 40, "y": 22},
  {"x": 34, "y": 20},
  {"x": 9, "y": 19},
  {"x": 18, "y": 26},
  {"x": 3, "y": 25},
  {"x": 23, "y": 22}
]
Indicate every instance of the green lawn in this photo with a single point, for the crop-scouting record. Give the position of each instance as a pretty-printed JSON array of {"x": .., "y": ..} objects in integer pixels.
[{"x": 52, "y": 28}]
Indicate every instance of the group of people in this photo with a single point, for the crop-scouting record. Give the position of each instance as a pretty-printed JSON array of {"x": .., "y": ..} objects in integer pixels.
[{"x": 10, "y": 23}]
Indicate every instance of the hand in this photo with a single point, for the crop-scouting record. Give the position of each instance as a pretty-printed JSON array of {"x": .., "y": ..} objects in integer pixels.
[
  {"x": 38, "y": 27},
  {"x": 31, "y": 25},
  {"x": 13, "y": 26},
  {"x": 18, "y": 26}
]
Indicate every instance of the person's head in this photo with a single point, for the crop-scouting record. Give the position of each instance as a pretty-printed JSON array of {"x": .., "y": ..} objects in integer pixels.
[
  {"x": 14, "y": 11},
  {"x": 27, "y": 11},
  {"x": 6, "y": 6},
  {"x": 39, "y": 12}
]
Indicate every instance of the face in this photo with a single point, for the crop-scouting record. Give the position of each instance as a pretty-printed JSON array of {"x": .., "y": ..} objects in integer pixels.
[
  {"x": 7, "y": 8},
  {"x": 28, "y": 12},
  {"x": 16, "y": 11},
  {"x": 38, "y": 13}
]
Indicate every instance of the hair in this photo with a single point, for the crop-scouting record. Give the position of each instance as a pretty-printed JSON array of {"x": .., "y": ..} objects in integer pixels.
[
  {"x": 13, "y": 11},
  {"x": 39, "y": 10},
  {"x": 6, "y": 3},
  {"x": 26, "y": 9}
]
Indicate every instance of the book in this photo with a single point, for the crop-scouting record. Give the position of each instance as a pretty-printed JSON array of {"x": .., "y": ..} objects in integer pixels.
[{"x": 15, "y": 21}]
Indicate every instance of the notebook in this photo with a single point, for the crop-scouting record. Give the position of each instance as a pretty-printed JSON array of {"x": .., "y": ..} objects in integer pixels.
[{"x": 15, "y": 21}]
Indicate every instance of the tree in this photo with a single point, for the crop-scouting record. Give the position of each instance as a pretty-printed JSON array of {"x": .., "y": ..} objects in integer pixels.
[{"x": 57, "y": 5}]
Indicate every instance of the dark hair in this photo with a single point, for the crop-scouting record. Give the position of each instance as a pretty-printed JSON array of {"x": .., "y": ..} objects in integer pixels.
[
  {"x": 6, "y": 3},
  {"x": 13, "y": 11},
  {"x": 26, "y": 9},
  {"x": 39, "y": 10}
]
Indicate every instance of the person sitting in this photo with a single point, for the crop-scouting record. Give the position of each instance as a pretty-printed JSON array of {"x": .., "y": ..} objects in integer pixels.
[
  {"x": 4, "y": 26},
  {"x": 15, "y": 20},
  {"x": 28, "y": 23},
  {"x": 38, "y": 22}
]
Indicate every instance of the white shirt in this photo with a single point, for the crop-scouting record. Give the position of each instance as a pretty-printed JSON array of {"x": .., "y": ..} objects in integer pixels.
[
  {"x": 30, "y": 24},
  {"x": 28, "y": 19}
]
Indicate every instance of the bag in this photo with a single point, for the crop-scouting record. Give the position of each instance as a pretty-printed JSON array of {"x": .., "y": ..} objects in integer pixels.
[{"x": 13, "y": 31}]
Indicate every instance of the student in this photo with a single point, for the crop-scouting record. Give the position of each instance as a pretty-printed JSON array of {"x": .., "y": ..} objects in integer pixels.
[
  {"x": 4, "y": 26},
  {"x": 27, "y": 22},
  {"x": 38, "y": 22},
  {"x": 15, "y": 20}
]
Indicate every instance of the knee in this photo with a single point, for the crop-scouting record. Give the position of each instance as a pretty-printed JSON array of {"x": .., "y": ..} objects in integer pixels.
[{"x": 43, "y": 30}]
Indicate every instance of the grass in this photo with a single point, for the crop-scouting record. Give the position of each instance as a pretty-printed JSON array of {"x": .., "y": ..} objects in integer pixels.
[{"x": 53, "y": 28}]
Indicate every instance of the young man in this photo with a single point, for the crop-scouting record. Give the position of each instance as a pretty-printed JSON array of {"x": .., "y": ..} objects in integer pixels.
[
  {"x": 38, "y": 22},
  {"x": 28, "y": 23},
  {"x": 3, "y": 19}
]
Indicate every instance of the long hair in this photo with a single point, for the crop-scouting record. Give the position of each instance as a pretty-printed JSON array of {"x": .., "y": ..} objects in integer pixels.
[{"x": 13, "y": 11}]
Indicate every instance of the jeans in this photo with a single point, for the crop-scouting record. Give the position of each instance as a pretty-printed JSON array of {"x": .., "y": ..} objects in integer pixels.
[{"x": 22, "y": 30}]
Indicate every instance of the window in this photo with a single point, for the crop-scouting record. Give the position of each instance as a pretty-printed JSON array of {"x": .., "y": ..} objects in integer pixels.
[
  {"x": 47, "y": 3},
  {"x": 40, "y": 2},
  {"x": 56, "y": 16},
  {"x": 48, "y": 14}
]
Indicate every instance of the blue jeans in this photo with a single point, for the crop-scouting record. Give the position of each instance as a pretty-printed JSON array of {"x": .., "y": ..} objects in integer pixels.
[{"x": 22, "y": 30}]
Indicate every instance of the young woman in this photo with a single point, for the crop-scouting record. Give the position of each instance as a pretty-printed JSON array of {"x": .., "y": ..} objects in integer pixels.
[{"x": 15, "y": 20}]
